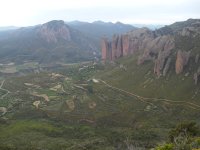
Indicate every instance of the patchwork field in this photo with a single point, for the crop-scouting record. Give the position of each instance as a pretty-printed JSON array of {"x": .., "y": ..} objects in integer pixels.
[{"x": 81, "y": 106}]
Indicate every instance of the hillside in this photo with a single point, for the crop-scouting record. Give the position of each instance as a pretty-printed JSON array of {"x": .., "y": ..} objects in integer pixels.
[
  {"x": 56, "y": 41},
  {"x": 50, "y": 42},
  {"x": 96, "y": 106},
  {"x": 146, "y": 84}
]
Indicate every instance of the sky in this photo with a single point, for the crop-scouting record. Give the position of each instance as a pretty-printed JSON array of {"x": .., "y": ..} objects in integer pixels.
[{"x": 32, "y": 12}]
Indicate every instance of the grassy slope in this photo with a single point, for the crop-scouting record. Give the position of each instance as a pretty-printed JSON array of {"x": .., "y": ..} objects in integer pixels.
[
  {"x": 116, "y": 117},
  {"x": 140, "y": 79}
]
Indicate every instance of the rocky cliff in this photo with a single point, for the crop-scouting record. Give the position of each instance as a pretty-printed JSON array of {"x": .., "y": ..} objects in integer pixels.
[
  {"x": 54, "y": 31},
  {"x": 106, "y": 49},
  {"x": 181, "y": 60},
  {"x": 177, "y": 41},
  {"x": 142, "y": 41},
  {"x": 50, "y": 42}
]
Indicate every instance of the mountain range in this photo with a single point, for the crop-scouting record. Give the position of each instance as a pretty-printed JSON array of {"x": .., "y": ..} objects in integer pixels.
[
  {"x": 146, "y": 83},
  {"x": 56, "y": 41}
]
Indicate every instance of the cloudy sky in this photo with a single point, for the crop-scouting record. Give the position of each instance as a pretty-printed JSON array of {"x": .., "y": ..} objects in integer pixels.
[{"x": 32, "y": 12}]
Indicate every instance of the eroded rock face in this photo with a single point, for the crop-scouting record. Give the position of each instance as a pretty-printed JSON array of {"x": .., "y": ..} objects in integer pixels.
[
  {"x": 3, "y": 111},
  {"x": 126, "y": 44},
  {"x": 163, "y": 47},
  {"x": 166, "y": 68},
  {"x": 144, "y": 42},
  {"x": 53, "y": 31},
  {"x": 123, "y": 45},
  {"x": 159, "y": 46},
  {"x": 106, "y": 49},
  {"x": 116, "y": 47},
  {"x": 193, "y": 30},
  {"x": 139, "y": 39},
  {"x": 181, "y": 60},
  {"x": 119, "y": 51}
]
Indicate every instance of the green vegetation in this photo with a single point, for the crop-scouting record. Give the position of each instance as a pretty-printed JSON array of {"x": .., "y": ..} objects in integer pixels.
[
  {"x": 165, "y": 147},
  {"x": 184, "y": 137},
  {"x": 123, "y": 107}
]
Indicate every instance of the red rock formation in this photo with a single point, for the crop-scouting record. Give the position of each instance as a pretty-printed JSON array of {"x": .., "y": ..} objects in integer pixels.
[
  {"x": 125, "y": 44},
  {"x": 146, "y": 44},
  {"x": 119, "y": 51},
  {"x": 163, "y": 45},
  {"x": 53, "y": 31},
  {"x": 115, "y": 39},
  {"x": 181, "y": 60},
  {"x": 166, "y": 68},
  {"x": 104, "y": 48}
]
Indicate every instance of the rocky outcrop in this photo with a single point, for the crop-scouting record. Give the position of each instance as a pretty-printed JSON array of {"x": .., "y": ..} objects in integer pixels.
[
  {"x": 116, "y": 47},
  {"x": 126, "y": 44},
  {"x": 181, "y": 60},
  {"x": 167, "y": 65},
  {"x": 106, "y": 49},
  {"x": 193, "y": 30},
  {"x": 160, "y": 46},
  {"x": 123, "y": 45},
  {"x": 54, "y": 31},
  {"x": 114, "y": 44},
  {"x": 163, "y": 46},
  {"x": 142, "y": 41},
  {"x": 3, "y": 111}
]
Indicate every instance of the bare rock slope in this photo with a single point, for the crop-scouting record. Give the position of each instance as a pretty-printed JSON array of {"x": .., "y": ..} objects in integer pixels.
[{"x": 169, "y": 47}]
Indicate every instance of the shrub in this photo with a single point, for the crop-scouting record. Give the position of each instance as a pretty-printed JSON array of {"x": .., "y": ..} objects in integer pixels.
[{"x": 165, "y": 147}]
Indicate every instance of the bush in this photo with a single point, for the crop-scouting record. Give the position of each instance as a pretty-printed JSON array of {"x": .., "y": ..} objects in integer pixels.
[
  {"x": 186, "y": 129},
  {"x": 90, "y": 88},
  {"x": 165, "y": 147}
]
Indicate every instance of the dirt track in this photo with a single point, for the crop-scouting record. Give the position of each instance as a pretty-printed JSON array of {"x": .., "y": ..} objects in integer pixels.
[
  {"x": 2, "y": 83},
  {"x": 147, "y": 99}
]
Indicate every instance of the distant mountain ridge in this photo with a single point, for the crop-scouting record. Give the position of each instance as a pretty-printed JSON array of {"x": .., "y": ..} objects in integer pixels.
[
  {"x": 50, "y": 42},
  {"x": 56, "y": 41},
  {"x": 8, "y": 28},
  {"x": 150, "y": 26},
  {"x": 100, "y": 28}
]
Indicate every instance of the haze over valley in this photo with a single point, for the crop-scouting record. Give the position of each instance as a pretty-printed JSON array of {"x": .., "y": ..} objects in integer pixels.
[{"x": 95, "y": 75}]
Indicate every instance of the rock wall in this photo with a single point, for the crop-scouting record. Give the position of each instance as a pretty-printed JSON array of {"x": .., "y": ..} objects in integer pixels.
[
  {"x": 181, "y": 60},
  {"x": 143, "y": 41},
  {"x": 119, "y": 51},
  {"x": 126, "y": 45},
  {"x": 166, "y": 68},
  {"x": 163, "y": 46},
  {"x": 159, "y": 47},
  {"x": 114, "y": 44},
  {"x": 53, "y": 31},
  {"x": 106, "y": 49}
]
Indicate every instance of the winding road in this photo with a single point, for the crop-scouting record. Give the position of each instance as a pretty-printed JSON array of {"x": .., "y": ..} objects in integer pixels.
[
  {"x": 147, "y": 99},
  {"x": 2, "y": 83}
]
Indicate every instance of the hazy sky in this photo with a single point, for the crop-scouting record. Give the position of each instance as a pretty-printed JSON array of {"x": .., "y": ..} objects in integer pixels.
[{"x": 32, "y": 12}]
